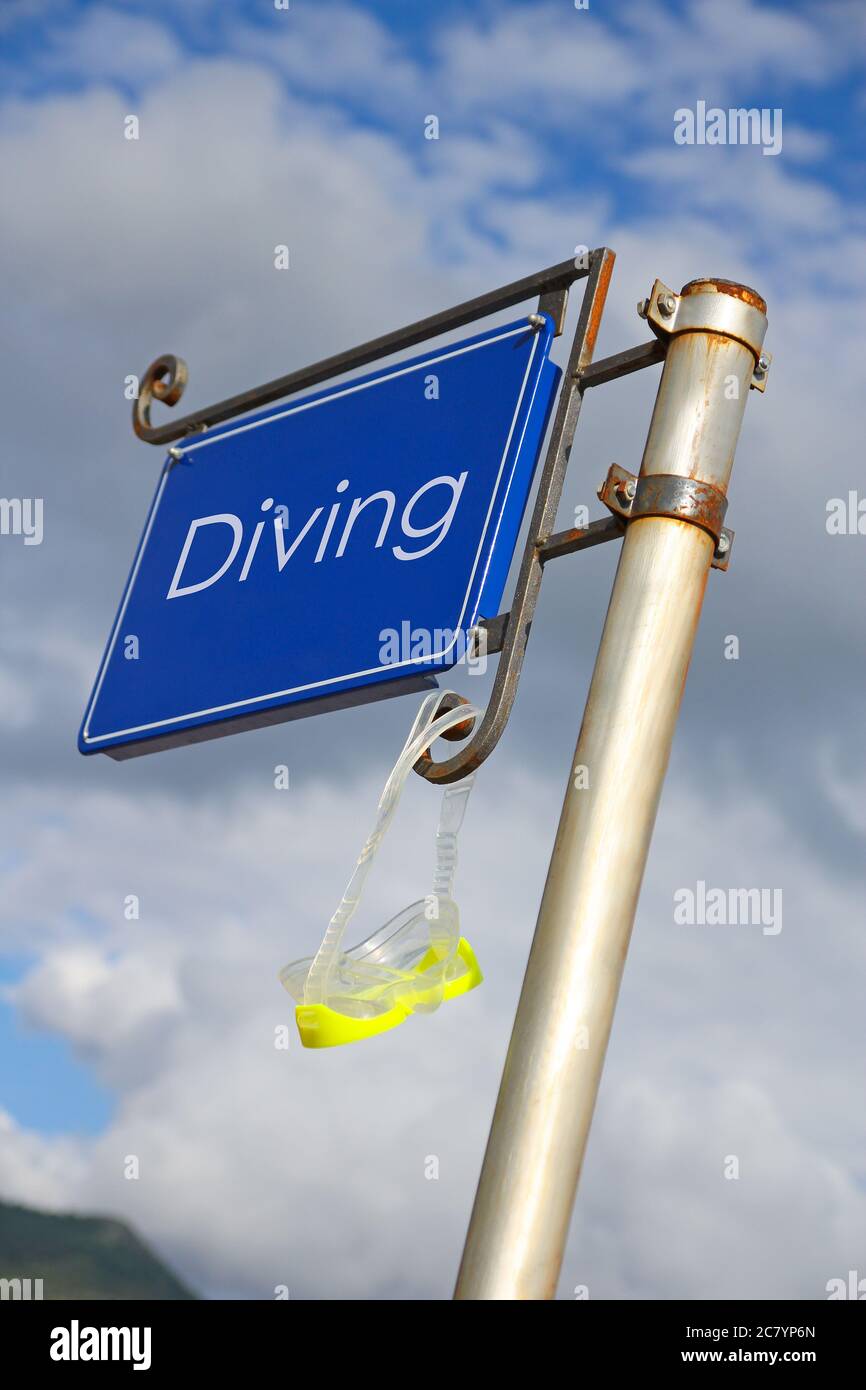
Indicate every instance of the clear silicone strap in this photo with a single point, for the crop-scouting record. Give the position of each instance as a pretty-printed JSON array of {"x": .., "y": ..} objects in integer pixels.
[
  {"x": 450, "y": 820},
  {"x": 425, "y": 729}
]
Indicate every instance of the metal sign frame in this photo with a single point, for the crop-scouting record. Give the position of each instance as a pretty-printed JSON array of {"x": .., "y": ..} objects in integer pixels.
[
  {"x": 508, "y": 634},
  {"x": 212, "y": 669},
  {"x": 709, "y": 335}
]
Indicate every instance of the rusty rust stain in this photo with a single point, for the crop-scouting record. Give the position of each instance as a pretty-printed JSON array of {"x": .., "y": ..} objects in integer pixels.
[
  {"x": 743, "y": 292},
  {"x": 597, "y": 309}
]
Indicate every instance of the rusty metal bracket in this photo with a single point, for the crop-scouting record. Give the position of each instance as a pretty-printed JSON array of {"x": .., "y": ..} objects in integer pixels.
[
  {"x": 509, "y": 632},
  {"x": 626, "y": 496},
  {"x": 669, "y": 494},
  {"x": 762, "y": 367},
  {"x": 735, "y": 312}
]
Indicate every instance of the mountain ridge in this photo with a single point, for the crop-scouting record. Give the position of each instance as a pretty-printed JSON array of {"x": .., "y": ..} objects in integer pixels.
[{"x": 79, "y": 1257}]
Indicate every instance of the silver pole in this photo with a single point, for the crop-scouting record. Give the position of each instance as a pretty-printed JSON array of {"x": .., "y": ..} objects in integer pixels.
[{"x": 540, "y": 1126}]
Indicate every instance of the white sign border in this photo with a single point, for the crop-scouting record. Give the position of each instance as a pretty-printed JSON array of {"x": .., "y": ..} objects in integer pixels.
[{"x": 237, "y": 705}]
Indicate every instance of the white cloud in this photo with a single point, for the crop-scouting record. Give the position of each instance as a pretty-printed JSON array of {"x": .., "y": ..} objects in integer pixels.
[
  {"x": 102, "y": 45},
  {"x": 736, "y": 43},
  {"x": 260, "y": 1166},
  {"x": 340, "y": 50},
  {"x": 19, "y": 12},
  {"x": 541, "y": 61},
  {"x": 729, "y": 179},
  {"x": 315, "y": 1162},
  {"x": 806, "y": 146},
  {"x": 845, "y": 787},
  {"x": 17, "y": 706}
]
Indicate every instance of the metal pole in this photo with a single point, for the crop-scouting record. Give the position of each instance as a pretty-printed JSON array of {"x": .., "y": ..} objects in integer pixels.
[{"x": 540, "y": 1126}]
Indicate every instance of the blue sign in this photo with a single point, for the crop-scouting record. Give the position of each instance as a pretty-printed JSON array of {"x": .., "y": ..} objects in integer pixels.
[{"x": 332, "y": 550}]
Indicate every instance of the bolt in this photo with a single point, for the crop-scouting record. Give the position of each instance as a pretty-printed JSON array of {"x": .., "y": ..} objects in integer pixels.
[
  {"x": 537, "y": 320},
  {"x": 643, "y": 308},
  {"x": 175, "y": 453},
  {"x": 763, "y": 365},
  {"x": 666, "y": 304},
  {"x": 724, "y": 544}
]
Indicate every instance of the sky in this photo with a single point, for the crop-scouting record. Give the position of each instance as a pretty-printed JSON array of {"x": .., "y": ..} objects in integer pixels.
[{"x": 155, "y": 1038}]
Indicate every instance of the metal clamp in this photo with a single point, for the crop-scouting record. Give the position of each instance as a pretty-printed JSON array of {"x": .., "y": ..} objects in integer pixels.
[
  {"x": 669, "y": 494},
  {"x": 734, "y": 312},
  {"x": 759, "y": 375}
]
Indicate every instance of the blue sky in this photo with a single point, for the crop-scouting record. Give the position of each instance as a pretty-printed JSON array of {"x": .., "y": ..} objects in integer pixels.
[
  {"x": 44, "y": 1085},
  {"x": 155, "y": 1037},
  {"x": 384, "y": 66},
  {"x": 821, "y": 89}
]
